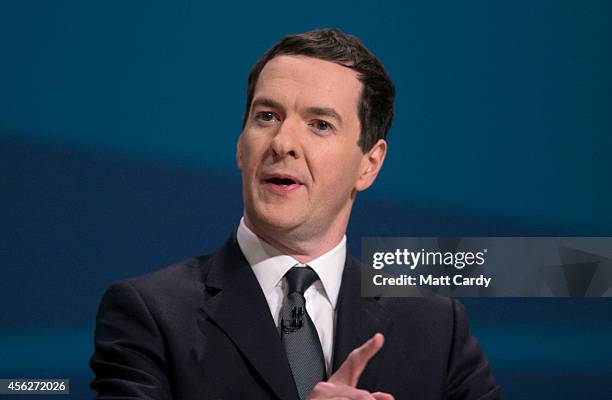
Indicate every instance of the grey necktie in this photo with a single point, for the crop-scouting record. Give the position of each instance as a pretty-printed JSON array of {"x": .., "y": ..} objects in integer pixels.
[{"x": 299, "y": 334}]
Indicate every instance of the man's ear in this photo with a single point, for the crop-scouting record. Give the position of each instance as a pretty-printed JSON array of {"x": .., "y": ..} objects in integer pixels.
[{"x": 371, "y": 163}]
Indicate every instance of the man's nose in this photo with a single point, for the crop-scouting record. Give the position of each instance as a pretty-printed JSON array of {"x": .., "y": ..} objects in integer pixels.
[{"x": 285, "y": 140}]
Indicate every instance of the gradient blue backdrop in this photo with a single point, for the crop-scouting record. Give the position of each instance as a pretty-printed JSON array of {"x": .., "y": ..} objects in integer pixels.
[{"x": 118, "y": 123}]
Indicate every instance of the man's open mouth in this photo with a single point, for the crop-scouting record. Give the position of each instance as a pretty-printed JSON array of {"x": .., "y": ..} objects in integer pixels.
[{"x": 281, "y": 181}]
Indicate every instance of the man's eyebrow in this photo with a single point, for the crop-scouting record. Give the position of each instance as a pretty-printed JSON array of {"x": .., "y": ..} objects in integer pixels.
[
  {"x": 325, "y": 112},
  {"x": 265, "y": 102}
]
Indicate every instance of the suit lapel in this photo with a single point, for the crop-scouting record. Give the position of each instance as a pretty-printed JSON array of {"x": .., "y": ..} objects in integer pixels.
[
  {"x": 240, "y": 309},
  {"x": 358, "y": 318}
]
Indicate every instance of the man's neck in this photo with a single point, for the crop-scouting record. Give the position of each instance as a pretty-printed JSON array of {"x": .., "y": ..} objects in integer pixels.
[{"x": 303, "y": 251}]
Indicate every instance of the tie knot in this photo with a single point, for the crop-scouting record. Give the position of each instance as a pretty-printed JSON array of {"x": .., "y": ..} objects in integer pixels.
[{"x": 299, "y": 279}]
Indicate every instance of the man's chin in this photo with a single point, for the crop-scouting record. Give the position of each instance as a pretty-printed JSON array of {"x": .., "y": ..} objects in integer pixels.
[{"x": 278, "y": 224}]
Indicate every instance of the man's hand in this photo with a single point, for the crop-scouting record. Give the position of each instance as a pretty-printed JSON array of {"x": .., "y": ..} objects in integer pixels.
[{"x": 342, "y": 384}]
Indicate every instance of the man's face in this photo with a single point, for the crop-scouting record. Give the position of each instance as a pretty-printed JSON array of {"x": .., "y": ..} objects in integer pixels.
[{"x": 298, "y": 153}]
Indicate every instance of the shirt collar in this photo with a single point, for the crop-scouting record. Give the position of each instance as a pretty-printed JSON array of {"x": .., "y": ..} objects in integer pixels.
[{"x": 270, "y": 265}]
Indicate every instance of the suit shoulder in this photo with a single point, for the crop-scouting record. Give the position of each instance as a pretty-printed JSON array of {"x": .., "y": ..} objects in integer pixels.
[
  {"x": 167, "y": 285},
  {"x": 190, "y": 270}
]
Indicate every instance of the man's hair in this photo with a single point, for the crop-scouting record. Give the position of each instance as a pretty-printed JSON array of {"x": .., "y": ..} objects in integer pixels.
[{"x": 375, "y": 107}]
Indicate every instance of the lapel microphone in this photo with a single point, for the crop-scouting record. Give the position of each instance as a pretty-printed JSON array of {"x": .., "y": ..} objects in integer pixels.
[{"x": 296, "y": 321}]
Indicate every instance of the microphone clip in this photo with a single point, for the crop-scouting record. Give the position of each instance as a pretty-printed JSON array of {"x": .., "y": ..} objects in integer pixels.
[{"x": 296, "y": 321}]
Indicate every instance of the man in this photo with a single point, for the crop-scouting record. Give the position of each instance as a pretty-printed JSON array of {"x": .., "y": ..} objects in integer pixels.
[{"x": 276, "y": 313}]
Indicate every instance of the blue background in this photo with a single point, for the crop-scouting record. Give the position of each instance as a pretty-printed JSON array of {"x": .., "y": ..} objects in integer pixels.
[{"x": 118, "y": 123}]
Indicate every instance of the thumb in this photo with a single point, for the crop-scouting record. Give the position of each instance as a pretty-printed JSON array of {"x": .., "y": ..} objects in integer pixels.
[{"x": 351, "y": 369}]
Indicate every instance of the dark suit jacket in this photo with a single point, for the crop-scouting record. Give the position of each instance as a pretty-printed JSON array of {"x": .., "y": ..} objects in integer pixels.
[{"x": 202, "y": 329}]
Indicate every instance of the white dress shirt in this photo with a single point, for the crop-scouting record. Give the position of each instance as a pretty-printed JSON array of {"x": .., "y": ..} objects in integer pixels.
[{"x": 270, "y": 266}]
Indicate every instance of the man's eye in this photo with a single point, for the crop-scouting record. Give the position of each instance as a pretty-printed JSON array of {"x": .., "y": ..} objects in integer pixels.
[
  {"x": 265, "y": 116},
  {"x": 321, "y": 125}
]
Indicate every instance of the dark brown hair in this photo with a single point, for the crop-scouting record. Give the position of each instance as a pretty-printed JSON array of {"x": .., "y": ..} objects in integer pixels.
[{"x": 375, "y": 108}]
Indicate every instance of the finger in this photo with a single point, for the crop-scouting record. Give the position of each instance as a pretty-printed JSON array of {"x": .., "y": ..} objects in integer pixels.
[
  {"x": 330, "y": 391},
  {"x": 351, "y": 369},
  {"x": 341, "y": 398},
  {"x": 382, "y": 396},
  {"x": 321, "y": 390}
]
